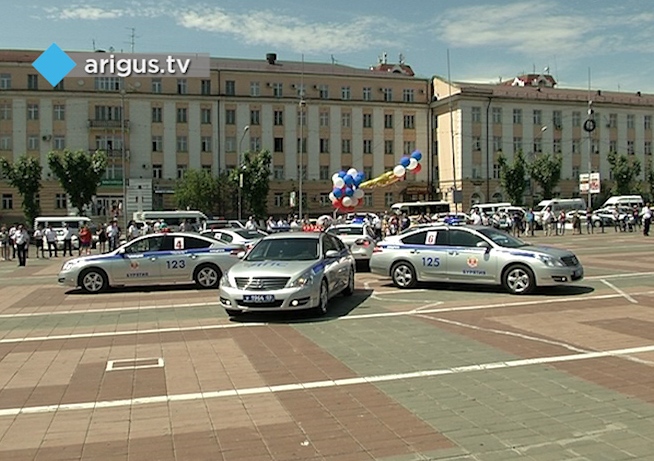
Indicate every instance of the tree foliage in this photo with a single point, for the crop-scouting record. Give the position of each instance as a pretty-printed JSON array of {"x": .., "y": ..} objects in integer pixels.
[
  {"x": 25, "y": 175},
  {"x": 545, "y": 170},
  {"x": 256, "y": 182},
  {"x": 649, "y": 180},
  {"x": 198, "y": 190},
  {"x": 624, "y": 172},
  {"x": 512, "y": 177},
  {"x": 79, "y": 173}
]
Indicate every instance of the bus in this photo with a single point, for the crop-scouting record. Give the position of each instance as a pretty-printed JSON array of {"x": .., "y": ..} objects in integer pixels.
[
  {"x": 421, "y": 208},
  {"x": 172, "y": 218}
]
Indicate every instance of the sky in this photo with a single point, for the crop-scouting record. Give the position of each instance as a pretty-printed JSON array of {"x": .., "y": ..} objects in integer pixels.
[{"x": 605, "y": 43}]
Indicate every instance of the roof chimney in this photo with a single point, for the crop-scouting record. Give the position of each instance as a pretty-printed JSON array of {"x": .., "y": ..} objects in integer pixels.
[{"x": 271, "y": 58}]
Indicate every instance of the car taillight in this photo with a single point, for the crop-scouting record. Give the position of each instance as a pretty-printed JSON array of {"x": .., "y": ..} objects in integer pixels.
[
  {"x": 235, "y": 252},
  {"x": 362, "y": 242},
  {"x": 377, "y": 249}
]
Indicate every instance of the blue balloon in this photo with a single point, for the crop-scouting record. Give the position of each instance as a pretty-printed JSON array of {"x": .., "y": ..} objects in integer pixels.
[
  {"x": 342, "y": 174},
  {"x": 349, "y": 191},
  {"x": 338, "y": 193},
  {"x": 417, "y": 155},
  {"x": 349, "y": 180},
  {"x": 405, "y": 161},
  {"x": 361, "y": 176},
  {"x": 358, "y": 179}
]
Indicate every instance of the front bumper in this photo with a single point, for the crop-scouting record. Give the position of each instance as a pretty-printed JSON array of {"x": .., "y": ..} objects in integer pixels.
[
  {"x": 68, "y": 279},
  {"x": 286, "y": 299},
  {"x": 553, "y": 276}
]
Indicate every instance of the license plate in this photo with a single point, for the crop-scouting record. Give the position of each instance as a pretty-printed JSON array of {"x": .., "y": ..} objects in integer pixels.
[{"x": 258, "y": 298}]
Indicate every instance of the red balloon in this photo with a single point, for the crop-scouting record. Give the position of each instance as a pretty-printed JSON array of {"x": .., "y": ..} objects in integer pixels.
[{"x": 417, "y": 169}]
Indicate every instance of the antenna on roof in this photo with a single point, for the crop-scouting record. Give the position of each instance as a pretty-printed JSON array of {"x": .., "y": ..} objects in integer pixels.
[
  {"x": 132, "y": 37},
  {"x": 93, "y": 44}
]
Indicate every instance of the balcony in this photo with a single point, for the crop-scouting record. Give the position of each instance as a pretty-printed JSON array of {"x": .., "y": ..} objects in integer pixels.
[{"x": 108, "y": 124}]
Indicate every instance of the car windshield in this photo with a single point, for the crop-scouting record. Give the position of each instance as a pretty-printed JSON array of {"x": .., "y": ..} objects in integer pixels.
[
  {"x": 250, "y": 234},
  {"x": 539, "y": 208},
  {"x": 286, "y": 249},
  {"x": 502, "y": 238},
  {"x": 354, "y": 230}
]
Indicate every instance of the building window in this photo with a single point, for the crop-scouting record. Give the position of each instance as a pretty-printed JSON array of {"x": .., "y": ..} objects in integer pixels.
[
  {"x": 302, "y": 145},
  {"x": 59, "y": 86},
  {"x": 182, "y": 115},
  {"x": 156, "y": 85},
  {"x": 537, "y": 117},
  {"x": 324, "y": 145},
  {"x": 182, "y": 86},
  {"x": 205, "y": 87},
  {"x": 346, "y": 146},
  {"x": 32, "y": 143},
  {"x": 278, "y": 90},
  {"x": 107, "y": 113},
  {"x": 7, "y": 201},
  {"x": 367, "y": 146},
  {"x": 496, "y": 171},
  {"x": 367, "y": 200},
  {"x": 300, "y": 90},
  {"x": 32, "y": 112},
  {"x": 301, "y": 117},
  {"x": 59, "y": 112},
  {"x": 613, "y": 121},
  {"x": 278, "y": 116},
  {"x": 324, "y": 172},
  {"x": 388, "y": 120},
  {"x": 181, "y": 171},
  {"x": 647, "y": 122},
  {"x": 538, "y": 145},
  {"x": 367, "y": 120},
  {"x": 32, "y": 81},
  {"x": 323, "y": 91},
  {"x": 575, "y": 146},
  {"x": 324, "y": 118},
  {"x": 389, "y": 147},
  {"x": 157, "y": 114},
  {"x": 367, "y": 172},
  {"x": 108, "y": 83},
  {"x": 230, "y": 117},
  {"x": 5, "y": 81},
  {"x": 59, "y": 142},
  {"x": 61, "y": 201},
  {"x": 5, "y": 142},
  {"x": 303, "y": 169},
  {"x": 278, "y": 145},
  {"x": 556, "y": 146},
  {"x": 255, "y": 89},
  {"x": 230, "y": 87},
  {"x": 255, "y": 143},
  {"x": 346, "y": 93},
  {"x": 408, "y": 147},
  {"x": 647, "y": 148},
  {"x": 408, "y": 95},
  {"x": 157, "y": 144},
  {"x": 476, "y": 143},
  {"x": 631, "y": 121},
  {"x": 576, "y": 119},
  {"x": 613, "y": 146},
  {"x": 517, "y": 116},
  {"x": 388, "y": 199},
  {"x": 182, "y": 144},
  {"x": 475, "y": 113},
  {"x": 5, "y": 111},
  {"x": 557, "y": 119},
  {"x": 409, "y": 122},
  {"x": 517, "y": 144},
  {"x": 367, "y": 93},
  {"x": 388, "y": 94},
  {"x": 278, "y": 172},
  {"x": 576, "y": 171},
  {"x": 205, "y": 115},
  {"x": 497, "y": 115},
  {"x": 346, "y": 120},
  {"x": 279, "y": 199},
  {"x": 630, "y": 148},
  {"x": 206, "y": 168},
  {"x": 497, "y": 143},
  {"x": 255, "y": 117},
  {"x": 205, "y": 143},
  {"x": 595, "y": 146},
  {"x": 230, "y": 144}
]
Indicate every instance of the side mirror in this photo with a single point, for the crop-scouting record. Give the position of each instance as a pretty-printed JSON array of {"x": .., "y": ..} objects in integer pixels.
[
  {"x": 485, "y": 245},
  {"x": 331, "y": 254},
  {"x": 240, "y": 254},
  {"x": 121, "y": 251}
]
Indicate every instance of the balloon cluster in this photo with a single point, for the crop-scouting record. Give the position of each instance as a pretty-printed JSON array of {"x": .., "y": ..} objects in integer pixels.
[
  {"x": 346, "y": 193},
  {"x": 410, "y": 163}
]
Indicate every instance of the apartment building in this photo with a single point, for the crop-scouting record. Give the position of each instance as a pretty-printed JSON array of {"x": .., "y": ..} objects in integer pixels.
[
  {"x": 155, "y": 129},
  {"x": 474, "y": 123}
]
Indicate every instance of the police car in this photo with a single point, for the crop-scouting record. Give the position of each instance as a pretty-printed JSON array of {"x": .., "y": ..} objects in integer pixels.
[
  {"x": 472, "y": 254},
  {"x": 154, "y": 259}
]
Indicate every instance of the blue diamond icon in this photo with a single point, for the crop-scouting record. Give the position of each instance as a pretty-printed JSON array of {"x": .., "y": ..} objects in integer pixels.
[{"x": 54, "y": 64}]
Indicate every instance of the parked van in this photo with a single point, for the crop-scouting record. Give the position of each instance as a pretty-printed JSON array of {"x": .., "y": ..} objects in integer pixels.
[
  {"x": 172, "y": 218},
  {"x": 488, "y": 208},
  {"x": 58, "y": 223},
  {"x": 624, "y": 201},
  {"x": 557, "y": 205}
]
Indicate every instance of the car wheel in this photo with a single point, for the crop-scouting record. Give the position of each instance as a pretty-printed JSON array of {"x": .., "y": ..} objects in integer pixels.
[
  {"x": 518, "y": 280},
  {"x": 321, "y": 308},
  {"x": 349, "y": 289},
  {"x": 403, "y": 275},
  {"x": 207, "y": 276},
  {"x": 597, "y": 223},
  {"x": 93, "y": 281}
]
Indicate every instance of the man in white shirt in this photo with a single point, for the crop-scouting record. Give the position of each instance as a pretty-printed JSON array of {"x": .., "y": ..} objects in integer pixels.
[
  {"x": 646, "y": 214},
  {"x": 51, "y": 238},
  {"x": 21, "y": 239},
  {"x": 251, "y": 224},
  {"x": 38, "y": 241},
  {"x": 476, "y": 219},
  {"x": 12, "y": 240},
  {"x": 112, "y": 236},
  {"x": 548, "y": 219},
  {"x": 133, "y": 231},
  {"x": 68, "y": 240}
]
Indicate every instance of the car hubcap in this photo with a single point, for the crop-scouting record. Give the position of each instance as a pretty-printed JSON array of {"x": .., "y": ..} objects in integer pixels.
[
  {"x": 207, "y": 277},
  {"x": 403, "y": 276},
  {"x": 323, "y": 298},
  {"x": 93, "y": 281},
  {"x": 518, "y": 280}
]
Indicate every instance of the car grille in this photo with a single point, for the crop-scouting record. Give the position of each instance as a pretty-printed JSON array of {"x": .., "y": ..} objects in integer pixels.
[
  {"x": 270, "y": 304},
  {"x": 570, "y": 260},
  {"x": 261, "y": 283}
]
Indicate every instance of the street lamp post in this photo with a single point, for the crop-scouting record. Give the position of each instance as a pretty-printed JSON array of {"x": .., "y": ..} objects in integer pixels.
[
  {"x": 123, "y": 154},
  {"x": 301, "y": 155},
  {"x": 240, "y": 173}
]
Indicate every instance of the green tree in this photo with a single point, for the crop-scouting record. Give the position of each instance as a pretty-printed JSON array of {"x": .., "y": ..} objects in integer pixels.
[
  {"x": 79, "y": 173},
  {"x": 624, "y": 172},
  {"x": 256, "y": 182},
  {"x": 197, "y": 190},
  {"x": 227, "y": 195},
  {"x": 545, "y": 170},
  {"x": 649, "y": 180},
  {"x": 25, "y": 175},
  {"x": 512, "y": 177}
]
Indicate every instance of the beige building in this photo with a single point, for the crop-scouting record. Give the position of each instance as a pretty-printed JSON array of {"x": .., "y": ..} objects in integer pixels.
[{"x": 155, "y": 129}]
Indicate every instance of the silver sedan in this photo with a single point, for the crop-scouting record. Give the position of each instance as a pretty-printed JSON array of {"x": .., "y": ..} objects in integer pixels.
[
  {"x": 155, "y": 259},
  {"x": 289, "y": 271},
  {"x": 360, "y": 238},
  {"x": 472, "y": 254}
]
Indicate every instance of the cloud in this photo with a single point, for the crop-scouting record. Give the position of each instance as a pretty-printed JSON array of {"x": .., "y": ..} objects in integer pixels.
[{"x": 88, "y": 13}]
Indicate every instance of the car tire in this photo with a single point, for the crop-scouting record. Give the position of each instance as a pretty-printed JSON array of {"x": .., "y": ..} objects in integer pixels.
[
  {"x": 207, "y": 276},
  {"x": 403, "y": 275},
  {"x": 93, "y": 280},
  {"x": 597, "y": 223},
  {"x": 349, "y": 289},
  {"x": 323, "y": 300},
  {"x": 518, "y": 279}
]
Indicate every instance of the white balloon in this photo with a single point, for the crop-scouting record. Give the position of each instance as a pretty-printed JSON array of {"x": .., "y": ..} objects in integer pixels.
[
  {"x": 356, "y": 202},
  {"x": 339, "y": 183},
  {"x": 358, "y": 194},
  {"x": 332, "y": 197},
  {"x": 335, "y": 177},
  {"x": 348, "y": 201},
  {"x": 352, "y": 172},
  {"x": 399, "y": 171},
  {"x": 412, "y": 164}
]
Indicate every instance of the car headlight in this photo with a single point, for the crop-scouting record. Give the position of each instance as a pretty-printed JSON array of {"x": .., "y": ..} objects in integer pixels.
[
  {"x": 225, "y": 281},
  {"x": 550, "y": 261},
  {"x": 68, "y": 265},
  {"x": 301, "y": 281}
]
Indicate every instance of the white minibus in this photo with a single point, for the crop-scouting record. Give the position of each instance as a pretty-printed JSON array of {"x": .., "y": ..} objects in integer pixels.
[
  {"x": 172, "y": 218},
  {"x": 624, "y": 201}
]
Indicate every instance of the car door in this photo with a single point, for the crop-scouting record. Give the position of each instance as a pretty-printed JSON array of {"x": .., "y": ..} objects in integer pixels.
[
  {"x": 468, "y": 262},
  {"x": 334, "y": 265},
  {"x": 176, "y": 260},
  {"x": 344, "y": 263},
  {"x": 139, "y": 263},
  {"x": 427, "y": 252}
]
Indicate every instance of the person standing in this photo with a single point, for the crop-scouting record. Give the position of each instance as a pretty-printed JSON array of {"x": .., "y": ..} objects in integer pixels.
[
  {"x": 589, "y": 221},
  {"x": 12, "y": 240},
  {"x": 85, "y": 238},
  {"x": 102, "y": 238},
  {"x": 21, "y": 239},
  {"x": 112, "y": 235},
  {"x": 530, "y": 221},
  {"x": 547, "y": 221},
  {"x": 4, "y": 243},
  {"x": 647, "y": 219},
  {"x": 38, "y": 241},
  {"x": 68, "y": 240},
  {"x": 51, "y": 238},
  {"x": 562, "y": 219},
  {"x": 252, "y": 224}
]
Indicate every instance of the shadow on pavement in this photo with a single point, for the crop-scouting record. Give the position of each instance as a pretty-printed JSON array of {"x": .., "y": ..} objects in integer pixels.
[
  {"x": 562, "y": 290},
  {"x": 146, "y": 289}
]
